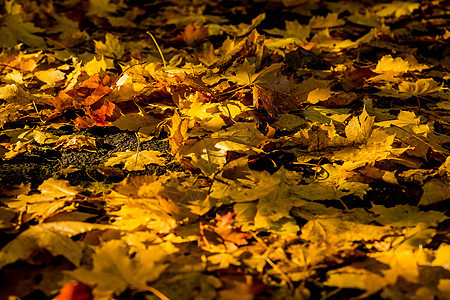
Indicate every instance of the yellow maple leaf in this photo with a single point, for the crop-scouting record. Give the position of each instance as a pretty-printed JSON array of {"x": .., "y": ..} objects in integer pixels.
[
  {"x": 396, "y": 8},
  {"x": 111, "y": 46},
  {"x": 388, "y": 63},
  {"x": 95, "y": 66},
  {"x": 242, "y": 28},
  {"x": 50, "y": 77},
  {"x": 331, "y": 20},
  {"x": 293, "y": 30},
  {"x": 359, "y": 128},
  {"x": 319, "y": 94},
  {"x": 135, "y": 161}
]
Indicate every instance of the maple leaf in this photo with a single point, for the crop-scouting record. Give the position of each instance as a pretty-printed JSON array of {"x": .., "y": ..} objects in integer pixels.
[
  {"x": 252, "y": 45},
  {"x": 135, "y": 161},
  {"x": 359, "y": 128},
  {"x": 245, "y": 74},
  {"x": 114, "y": 270},
  {"x": 434, "y": 191},
  {"x": 242, "y": 28},
  {"x": 50, "y": 77},
  {"x": 76, "y": 142},
  {"x": 420, "y": 87},
  {"x": 193, "y": 35},
  {"x": 228, "y": 232},
  {"x": 388, "y": 63},
  {"x": 293, "y": 30},
  {"x": 369, "y": 18},
  {"x": 102, "y": 8},
  {"x": 52, "y": 189},
  {"x": 222, "y": 235},
  {"x": 52, "y": 197},
  {"x": 407, "y": 120},
  {"x": 112, "y": 46},
  {"x": 318, "y": 95},
  {"x": 95, "y": 66},
  {"x": 405, "y": 215},
  {"x": 97, "y": 87},
  {"x": 273, "y": 102},
  {"x": 74, "y": 290},
  {"x": 178, "y": 133},
  {"x": 323, "y": 39},
  {"x": 138, "y": 122},
  {"x": 14, "y": 30},
  {"x": 331, "y": 20},
  {"x": 37, "y": 238},
  {"x": 396, "y": 8},
  {"x": 305, "y": 87},
  {"x": 210, "y": 153}
]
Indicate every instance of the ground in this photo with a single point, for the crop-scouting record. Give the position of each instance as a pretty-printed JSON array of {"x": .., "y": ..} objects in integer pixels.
[{"x": 224, "y": 149}]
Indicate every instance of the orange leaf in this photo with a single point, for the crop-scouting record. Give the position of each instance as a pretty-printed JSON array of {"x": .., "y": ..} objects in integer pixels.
[
  {"x": 193, "y": 35},
  {"x": 105, "y": 113},
  {"x": 74, "y": 291}
]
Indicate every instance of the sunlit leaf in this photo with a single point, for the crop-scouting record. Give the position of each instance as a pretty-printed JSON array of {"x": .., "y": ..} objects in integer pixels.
[{"x": 135, "y": 161}]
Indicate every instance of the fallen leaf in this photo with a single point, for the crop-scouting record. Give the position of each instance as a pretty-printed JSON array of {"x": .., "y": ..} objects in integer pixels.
[
  {"x": 113, "y": 268},
  {"x": 135, "y": 161},
  {"x": 38, "y": 238}
]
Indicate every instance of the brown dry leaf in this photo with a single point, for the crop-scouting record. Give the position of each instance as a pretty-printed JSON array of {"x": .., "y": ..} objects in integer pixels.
[
  {"x": 252, "y": 45},
  {"x": 178, "y": 133}
]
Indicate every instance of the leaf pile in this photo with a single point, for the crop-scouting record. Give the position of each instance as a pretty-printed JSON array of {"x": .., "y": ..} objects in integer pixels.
[{"x": 305, "y": 149}]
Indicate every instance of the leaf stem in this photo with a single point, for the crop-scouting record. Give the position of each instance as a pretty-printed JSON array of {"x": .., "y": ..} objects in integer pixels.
[
  {"x": 150, "y": 289},
  {"x": 159, "y": 49}
]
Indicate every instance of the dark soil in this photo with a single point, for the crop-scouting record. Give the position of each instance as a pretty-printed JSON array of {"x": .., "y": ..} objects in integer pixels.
[{"x": 42, "y": 164}]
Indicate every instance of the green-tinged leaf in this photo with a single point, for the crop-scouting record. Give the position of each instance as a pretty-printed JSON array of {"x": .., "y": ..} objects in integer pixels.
[
  {"x": 405, "y": 215},
  {"x": 434, "y": 191},
  {"x": 6, "y": 216},
  {"x": 15, "y": 30},
  {"x": 114, "y": 269},
  {"x": 40, "y": 238},
  {"x": 395, "y": 8},
  {"x": 420, "y": 87},
  {"x": 72, "y": 228}
]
